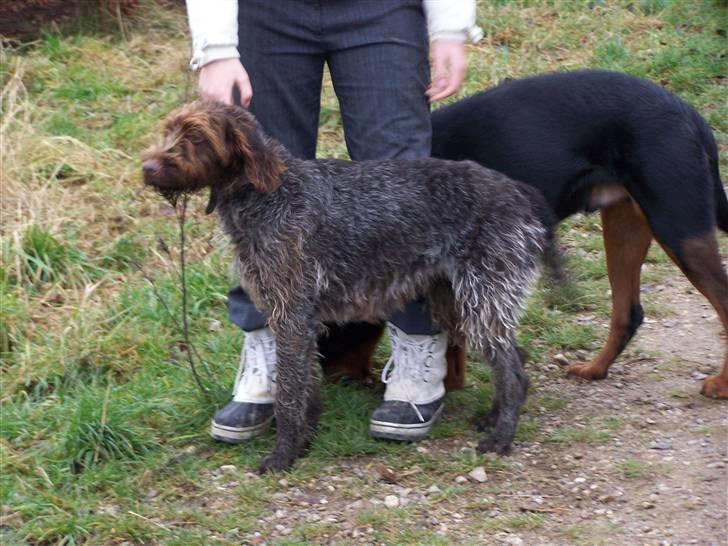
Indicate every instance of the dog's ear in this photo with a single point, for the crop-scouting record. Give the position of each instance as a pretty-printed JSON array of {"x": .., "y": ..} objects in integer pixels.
[
  {"x": 262, "y": 165},
  {"x": 212, "y": 201}
]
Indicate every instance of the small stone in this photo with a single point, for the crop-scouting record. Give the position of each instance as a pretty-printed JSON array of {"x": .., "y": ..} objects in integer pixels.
[
  {"x": 661, "y": 444},
  {"x": 606, "y": 498},
  {"x": 215, "y": 325},
  {"x": 422, "y": 449},
  {"x": 228, "y": 468},
  {"x": 561, "y": 360},
  {"x": 283, "y": 482},
  {"x": 461, "y": 479},
  {"x": 478, "y": 474},
  {"x": 433, "y": 489},
  {"x": 391, "y": 501}
]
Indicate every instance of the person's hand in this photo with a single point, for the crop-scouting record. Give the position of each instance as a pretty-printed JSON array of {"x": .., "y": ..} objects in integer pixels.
[
  {"x": 448, "y": 62},
  {"x": 218, "y": 77}
]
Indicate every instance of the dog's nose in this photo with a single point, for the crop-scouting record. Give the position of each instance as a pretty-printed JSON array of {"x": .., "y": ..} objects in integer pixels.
[{"x": 149, "y": 166}]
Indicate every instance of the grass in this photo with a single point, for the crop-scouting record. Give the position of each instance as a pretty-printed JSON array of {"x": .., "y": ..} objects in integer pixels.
[
  {"x": 633, "y": 468},
  {"x": 99, "y": 410}
]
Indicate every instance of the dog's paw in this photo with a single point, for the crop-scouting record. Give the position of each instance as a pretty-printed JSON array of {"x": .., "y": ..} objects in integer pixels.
[
  {"x": 487, "y": 422},
  {"x": 715, "y": 387},
  {"x": 492, "y": 444},
  {"x": 586, "y": 370},
  {"x": 275, "y": 462}
]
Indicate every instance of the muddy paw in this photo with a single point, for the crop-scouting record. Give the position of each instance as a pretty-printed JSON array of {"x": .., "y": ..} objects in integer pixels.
[
  {"x": 275, "y": 463},
  {"x": 487, "y": 422},
  {"x": 586, "y": 370},
  {"x": 715, "y": 386},
  {"x": 490, "y": 444}
]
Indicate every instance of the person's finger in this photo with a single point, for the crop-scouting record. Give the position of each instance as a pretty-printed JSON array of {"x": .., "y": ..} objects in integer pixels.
[
  {"x": 218, "y": 92},
  {"x": 438, "y": 68},
  {"x": 455, "y": 80},
  {"x": 246, "y": 91},
  {"x": 457, "y": 67},
  {"x": 436, "y": 87}
]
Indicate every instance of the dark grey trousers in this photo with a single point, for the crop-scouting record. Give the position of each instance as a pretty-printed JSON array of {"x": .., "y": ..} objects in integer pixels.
[{"x": 377, "y": 54}]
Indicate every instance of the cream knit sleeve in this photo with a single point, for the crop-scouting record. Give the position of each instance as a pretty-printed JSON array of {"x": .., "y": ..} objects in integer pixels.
[
  {"x": 214, "y": 28},
  {"x": 452, "y": 20}
]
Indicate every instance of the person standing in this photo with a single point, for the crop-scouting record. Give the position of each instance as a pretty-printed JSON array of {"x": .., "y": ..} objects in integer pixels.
[{"x": 380, "y": 54}]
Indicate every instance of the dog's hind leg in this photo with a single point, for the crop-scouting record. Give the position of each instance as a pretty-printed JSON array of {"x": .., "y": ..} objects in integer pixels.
[
  {"x": 455, "y": 357},
  {"x": 677, "y": 194},
  {"x": 347, "y": 350},
  {"x": 511, "y": 387},
  {"x": 699, "y": 259},
  {"x": 627, "y": 238},
  {"x": 489, "y": 420},
  {"x": 297, "y": 399}
]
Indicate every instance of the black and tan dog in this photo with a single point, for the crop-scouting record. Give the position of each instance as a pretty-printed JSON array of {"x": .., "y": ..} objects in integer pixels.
[
  {"x": 596, "y": 140},
  {"x": 328, "y": 241}
]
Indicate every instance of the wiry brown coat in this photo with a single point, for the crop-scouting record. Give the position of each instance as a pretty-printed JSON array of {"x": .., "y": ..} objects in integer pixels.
[{"x": 335, "y": 241}]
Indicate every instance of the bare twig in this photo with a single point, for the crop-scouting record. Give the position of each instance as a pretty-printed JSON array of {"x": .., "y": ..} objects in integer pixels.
[{"x": 185, "y": 322}]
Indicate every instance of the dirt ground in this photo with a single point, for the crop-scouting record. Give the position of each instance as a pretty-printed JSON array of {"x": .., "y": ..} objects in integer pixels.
[{"x": 657, "y": 476}]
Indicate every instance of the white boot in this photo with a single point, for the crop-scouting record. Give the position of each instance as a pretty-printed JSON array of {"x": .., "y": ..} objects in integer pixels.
[
  {"x": 255, "y": 381},
  {"x": 414, "y": 376},
  {"x": 251, "y": 411}
]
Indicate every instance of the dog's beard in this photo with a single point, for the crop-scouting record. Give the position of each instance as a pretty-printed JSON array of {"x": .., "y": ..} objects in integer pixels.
[{"x": 171, "y": 195}]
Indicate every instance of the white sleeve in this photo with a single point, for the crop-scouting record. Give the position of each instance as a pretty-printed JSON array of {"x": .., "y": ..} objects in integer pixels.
[
  {"x": 452, "y": 20},
  {"x": 214, "y": 28}
]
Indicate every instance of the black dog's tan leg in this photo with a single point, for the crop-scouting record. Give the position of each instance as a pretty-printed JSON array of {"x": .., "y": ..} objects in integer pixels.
[
  {"x": 511, "y": 387},
  {"x": 700, "y": 260},
  {"x": 627, "y": 238},
  {"x": 347, "y": 351},
  {"x": 455, "y": 357},
  {"x": 297, "y": 406}
]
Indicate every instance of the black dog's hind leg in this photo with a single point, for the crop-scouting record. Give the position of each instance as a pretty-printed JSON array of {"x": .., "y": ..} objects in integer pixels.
[
  {"x": 678, "y": 196},
  {"x": 511, "y": 387},
  {"x": 297, "y": 399},
  {"x": 699, "y": 258}
]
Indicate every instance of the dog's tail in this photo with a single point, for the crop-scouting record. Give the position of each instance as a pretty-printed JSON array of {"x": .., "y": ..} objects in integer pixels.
[
  {"x": 553, "y": 258},
  {"x": 721, "y": 200},
  {"x": 711, "y": 148}
]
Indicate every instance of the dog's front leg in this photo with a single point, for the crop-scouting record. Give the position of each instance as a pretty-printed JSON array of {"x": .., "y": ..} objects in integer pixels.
[{"x": 297, "y": 402}]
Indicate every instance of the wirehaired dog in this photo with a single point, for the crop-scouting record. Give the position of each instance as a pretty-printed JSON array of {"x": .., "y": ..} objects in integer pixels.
[{"x": 336, "y": 241}]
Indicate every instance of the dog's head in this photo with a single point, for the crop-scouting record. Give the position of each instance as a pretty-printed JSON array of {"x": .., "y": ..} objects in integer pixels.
[{"x": 207, "y": 143}]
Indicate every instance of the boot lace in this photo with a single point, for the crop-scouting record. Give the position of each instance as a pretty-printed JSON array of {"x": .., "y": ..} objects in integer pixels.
[
  {"x": 404, "y": 365},
  {"x": 254, "y": 372}
]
